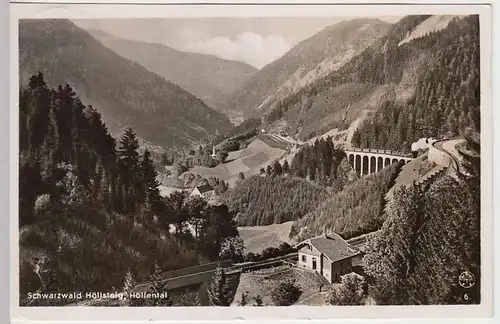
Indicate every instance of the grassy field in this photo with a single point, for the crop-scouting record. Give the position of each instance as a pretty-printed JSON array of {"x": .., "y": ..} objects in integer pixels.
[
  {"x": 249, "y": 161},
  {"x": 257, "y": 238}
]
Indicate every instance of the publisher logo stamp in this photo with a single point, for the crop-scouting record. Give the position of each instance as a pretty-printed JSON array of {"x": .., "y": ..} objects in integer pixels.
[{"x": 466, "y": 279}]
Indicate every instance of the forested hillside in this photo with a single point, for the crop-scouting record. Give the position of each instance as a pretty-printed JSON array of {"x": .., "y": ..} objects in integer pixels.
[
  {"x": 126, "y": 93},
  {"x": 416, "y": 88},
  {"x": 447, "y": 94},
  {"x": 355, "y": 210},
  {"x": 430, "y": 237},
  {"x": 208, "y": 77},
  {"x": 90, "y": 209},
  {"x": 272, "y": 199}
]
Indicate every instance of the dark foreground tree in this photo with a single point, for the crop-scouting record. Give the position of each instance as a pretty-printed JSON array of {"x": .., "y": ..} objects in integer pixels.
[{"x": 429, "y": 238}]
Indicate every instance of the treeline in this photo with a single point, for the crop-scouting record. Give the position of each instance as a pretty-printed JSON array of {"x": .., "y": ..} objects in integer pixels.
[
  {"x": 355, "y": 210},
  {"x": 270, "y": 252},
  {"x": 93, "y": 207},
  {"x": 272, "y": 200},
  {"x": 447, "y": 95},
  {"x": 431, "y": 236},
  {"x": 237, "y": 137},
  {"x": 237, "y": 142}
]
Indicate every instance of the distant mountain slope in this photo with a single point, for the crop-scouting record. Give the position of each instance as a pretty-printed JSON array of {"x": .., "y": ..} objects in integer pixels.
[
  {"x": 311, "y": 59},
  {"x": 208, "y": 77},
  {"x": 124, "y": 92},
  {"x": 432, "y": 24},
  {"x": 395, "y": 74}
]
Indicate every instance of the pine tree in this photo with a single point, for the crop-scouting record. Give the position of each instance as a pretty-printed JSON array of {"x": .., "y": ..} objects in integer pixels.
[
  {"x": 158, "y": 286},
  {"x": 128, "y": 288},
  {"x": 130, "y": 170},
  {"x": 39, "y": 107},
  {"x": 277, "y": 169},
  {"x": 197, "y": 210},
  {"x": 219, "y": 289},
  {"x": 150, "y": 182},
  {"x": 286, "y": 167}
]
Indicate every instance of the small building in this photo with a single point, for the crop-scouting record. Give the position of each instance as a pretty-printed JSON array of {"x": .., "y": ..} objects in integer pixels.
[
  {"x": 329, "y": 255},
  {"x": 206, "y": 191}
]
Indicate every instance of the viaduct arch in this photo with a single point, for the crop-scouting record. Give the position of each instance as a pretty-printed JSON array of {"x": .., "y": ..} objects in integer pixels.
[{"x": 368, "y": 161}]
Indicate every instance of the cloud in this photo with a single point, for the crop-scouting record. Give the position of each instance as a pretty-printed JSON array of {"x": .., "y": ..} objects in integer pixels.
[{"x": 248, "y": 47}]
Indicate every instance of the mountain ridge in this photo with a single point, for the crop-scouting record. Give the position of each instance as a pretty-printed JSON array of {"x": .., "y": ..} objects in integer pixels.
[
  {"x": 390, "y": 76},
  {"x": 126, "y": 93},
  {"x": 332, "y": 47},
  {"x": 208, "y": 77}
]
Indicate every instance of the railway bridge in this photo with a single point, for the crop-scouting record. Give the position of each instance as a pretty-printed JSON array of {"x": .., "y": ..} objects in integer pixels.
[{"x": 368, "y": 161}]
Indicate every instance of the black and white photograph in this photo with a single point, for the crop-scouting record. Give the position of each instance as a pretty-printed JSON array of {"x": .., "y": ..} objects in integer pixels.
[{"x": 251, "y": 161}]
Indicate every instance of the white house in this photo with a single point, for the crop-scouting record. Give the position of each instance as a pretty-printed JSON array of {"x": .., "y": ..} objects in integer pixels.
[
  {"x": 206, "y": 191},
  {"x": 329, "y": 255}
]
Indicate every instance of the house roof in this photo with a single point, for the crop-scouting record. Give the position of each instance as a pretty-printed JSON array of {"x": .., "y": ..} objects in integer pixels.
[
  {"x": 332, "y": 246},
  {"x": 204, "y": 188}
]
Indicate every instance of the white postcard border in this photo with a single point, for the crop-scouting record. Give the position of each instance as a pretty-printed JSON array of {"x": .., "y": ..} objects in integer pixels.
[{"x": 80, "y": 11}]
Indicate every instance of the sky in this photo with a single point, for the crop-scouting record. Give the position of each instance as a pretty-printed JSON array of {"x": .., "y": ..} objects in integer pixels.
[{"x": 255, "y": 41}]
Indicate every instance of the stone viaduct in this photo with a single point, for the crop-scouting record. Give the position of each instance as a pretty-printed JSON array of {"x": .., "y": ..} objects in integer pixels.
[{"x": 368, "y": 161}]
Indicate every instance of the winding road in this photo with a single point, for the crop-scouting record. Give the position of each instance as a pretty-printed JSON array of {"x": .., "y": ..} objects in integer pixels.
[{"x": 449, "y": 147}]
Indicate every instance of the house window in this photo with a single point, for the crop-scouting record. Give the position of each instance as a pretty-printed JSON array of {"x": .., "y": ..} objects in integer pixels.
[
  {"x": 341, "y": 270},
  {"x": 314, "y": 263},
  {"x": 303, "y": 258}
]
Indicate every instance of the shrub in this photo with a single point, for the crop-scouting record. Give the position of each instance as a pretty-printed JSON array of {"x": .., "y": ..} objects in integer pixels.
[
  {"x": 350, "y": 292},
  {"x": 42, "y": 204},
  {"x": 285, "y": 294}
]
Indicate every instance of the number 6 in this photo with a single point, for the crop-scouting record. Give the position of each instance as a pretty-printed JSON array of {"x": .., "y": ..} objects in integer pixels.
[{"x": 466, "y": 296}]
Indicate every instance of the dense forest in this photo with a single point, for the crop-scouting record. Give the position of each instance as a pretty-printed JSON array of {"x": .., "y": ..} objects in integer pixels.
[
  {"x": 430, "y": 237},
  {"x": 355, "y": 210},
  {"x": 272, "y": 199},
  {"x": 320, "y": 162},
  {"x": 90, "y": 208},
  {"x": 446, "y": 98}
]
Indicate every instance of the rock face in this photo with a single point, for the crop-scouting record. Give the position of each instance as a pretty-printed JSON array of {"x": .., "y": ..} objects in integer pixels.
[{"x": 125, "y": 93}]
